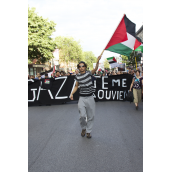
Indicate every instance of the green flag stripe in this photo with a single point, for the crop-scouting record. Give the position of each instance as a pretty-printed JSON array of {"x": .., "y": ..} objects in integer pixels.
[
  {"x": 140, "y": 48},
  {"x": 109, "y": 58},
  {"x": 120, "y": 49}
]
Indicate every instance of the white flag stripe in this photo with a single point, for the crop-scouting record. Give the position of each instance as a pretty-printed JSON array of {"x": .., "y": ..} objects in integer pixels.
[{"x": 130, "y": 42}]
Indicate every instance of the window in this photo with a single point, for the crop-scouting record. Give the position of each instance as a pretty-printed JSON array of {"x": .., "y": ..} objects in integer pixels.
[
  {"x": 35, "y": 72},
  {"x": 31, "y": 71}
]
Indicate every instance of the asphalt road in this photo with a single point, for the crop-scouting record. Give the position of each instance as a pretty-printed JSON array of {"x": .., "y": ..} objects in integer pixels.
[{"x": 55, "y": 143}]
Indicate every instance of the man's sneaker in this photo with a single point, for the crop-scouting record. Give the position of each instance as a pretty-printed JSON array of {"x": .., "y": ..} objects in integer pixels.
[
  {"x": 89, "y": 135},
  {"x": 83, "y": 133}
]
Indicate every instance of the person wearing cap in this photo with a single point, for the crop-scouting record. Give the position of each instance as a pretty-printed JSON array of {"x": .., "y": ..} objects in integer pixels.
[{"x": 86, "y": 103}]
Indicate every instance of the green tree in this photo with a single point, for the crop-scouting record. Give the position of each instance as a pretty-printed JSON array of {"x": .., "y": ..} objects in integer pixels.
[
  {"x": 106, "y": 63},
  {"x": 70, "y": 50},
  {"x": 89, "y": 59},
  {"x": 124, "y": 59},
  {"x": 29, "y": 61},
  {"x": 40, "y": 44},
  {"x": 130, "y": 61}
]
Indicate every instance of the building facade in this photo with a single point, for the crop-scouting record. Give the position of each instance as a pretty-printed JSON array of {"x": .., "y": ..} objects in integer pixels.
[
  {"x": 139, "y": 33},
  {"x": 35, "y": 67}
]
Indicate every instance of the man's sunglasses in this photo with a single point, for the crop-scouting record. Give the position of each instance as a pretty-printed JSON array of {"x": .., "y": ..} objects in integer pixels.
[{"x": 81, "y": 66}]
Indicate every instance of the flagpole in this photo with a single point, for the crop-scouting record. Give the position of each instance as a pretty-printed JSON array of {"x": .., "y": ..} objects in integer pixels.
[
  {"x": 135, "y": 60},
  {"x": 111, "y": 36}
]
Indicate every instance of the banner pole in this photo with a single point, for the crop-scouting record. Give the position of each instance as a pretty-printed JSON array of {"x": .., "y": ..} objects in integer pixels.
[{"x": 111, "y": 36}]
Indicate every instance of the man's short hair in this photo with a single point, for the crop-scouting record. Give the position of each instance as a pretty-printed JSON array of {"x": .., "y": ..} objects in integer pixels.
[
  {"x": 46, "y": 74},
  {"x": 80, "y": 63}
]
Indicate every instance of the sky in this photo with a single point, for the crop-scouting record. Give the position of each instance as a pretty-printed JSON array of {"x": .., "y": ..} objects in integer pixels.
[{"x": 91, "y": 22}]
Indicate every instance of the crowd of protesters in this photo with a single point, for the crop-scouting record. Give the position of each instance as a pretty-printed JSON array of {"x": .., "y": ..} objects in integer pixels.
[
  {"x": 136, "y": 86},
  {"x": 98, "y": 73},
  {"x": 54, "y": 75}
]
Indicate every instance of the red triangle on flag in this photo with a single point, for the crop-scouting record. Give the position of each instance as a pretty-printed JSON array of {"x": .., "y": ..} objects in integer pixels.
[
  {"x": 114, "y": 59},
  {"x": 137, "y": 44},
  {"x": 120, "y": 34}
]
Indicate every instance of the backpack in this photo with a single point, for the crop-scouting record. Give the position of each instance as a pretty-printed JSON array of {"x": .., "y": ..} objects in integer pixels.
[{"x": 130, "y": 96}]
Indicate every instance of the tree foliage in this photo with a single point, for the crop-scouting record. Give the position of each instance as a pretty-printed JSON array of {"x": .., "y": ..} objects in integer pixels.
[
  {"x": 40, "y": 44},
  {"x": 106, "y": 63},
  {"x": 130, "y": 61},
  {"x": 89, "y": 59},
  {"x": 124, "y": 59},
  {"x": 70, "y": 50},
  {"x": 29, "y": 61}
]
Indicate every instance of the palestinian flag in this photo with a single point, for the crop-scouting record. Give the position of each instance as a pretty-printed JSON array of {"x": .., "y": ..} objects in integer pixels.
[
  {"x": 111, "y": 60},
  {"x": 140, "y": 48},
  {"x": 124, "y": 38}
]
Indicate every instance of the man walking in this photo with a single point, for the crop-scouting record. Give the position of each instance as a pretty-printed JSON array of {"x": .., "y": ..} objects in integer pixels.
[{"x": 86, "y": 103}]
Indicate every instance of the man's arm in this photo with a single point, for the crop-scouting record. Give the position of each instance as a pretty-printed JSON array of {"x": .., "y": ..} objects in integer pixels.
[
  {"x": 97, "y": 65},
  {"x": 74, "y": 90}
]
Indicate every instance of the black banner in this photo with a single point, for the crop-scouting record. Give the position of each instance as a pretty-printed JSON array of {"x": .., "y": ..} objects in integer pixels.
[{"x": 108, "y": 88}]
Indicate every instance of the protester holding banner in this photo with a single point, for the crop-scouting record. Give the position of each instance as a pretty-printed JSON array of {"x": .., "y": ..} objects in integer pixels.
[
  {"x": 118, "y": 73},
  {"x": 137, "y": 87},
  {"x": 86, "y": 103},
  {"x": 68, "y": 74},
  {"x": 62, "y": 73},
  {"x": 38, "y": 76},
  {"x": 57, "y": 74},
  {"x": 54, "y": 75},
  {"x": 32, "y": 77},
  {"x": 129, "y": 71},
  {"x": 47, "y": 82}
]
